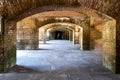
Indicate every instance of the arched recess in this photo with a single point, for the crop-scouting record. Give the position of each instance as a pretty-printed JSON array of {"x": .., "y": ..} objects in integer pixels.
[
  {"x": 58, "y": 33},
  {"x": 78, "y": 31},
  {"x": 109, "y": 30},
  {"x": 44, "y": 29},
  {"x": 83, "y": 22},
  {"x": 27, "y": 32}
]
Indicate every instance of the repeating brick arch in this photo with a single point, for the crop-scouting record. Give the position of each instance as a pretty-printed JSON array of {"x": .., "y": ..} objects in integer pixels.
[
  {"x": 73, "y": 11},
  {"x": 63, "y": 28},
  {"x": 73, "y": 28},
  {"x": 70, "y": 26},
  {"x": 55, "y": 10},
  {"x": 14, "y": 10},
  {"x": 11, "y": 8},
  {"x": 53, "y": 20},
  {"x": 63, "y": 11}
]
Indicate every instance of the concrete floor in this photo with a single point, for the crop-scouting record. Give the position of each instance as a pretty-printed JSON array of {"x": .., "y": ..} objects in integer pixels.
[{"x": 59, "y": 60}]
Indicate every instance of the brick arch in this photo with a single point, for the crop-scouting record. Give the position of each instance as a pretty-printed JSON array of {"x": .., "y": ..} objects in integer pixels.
[
  {"x": 65, "y": 29},
  {"x": 68, "y": 28},
  {"x": 65, "y": 25},
  {"x": 11, "y": 8},
  {"x": 52, "y": 8},
  {"x": 108, "y": 20},
  {"x": 74, "y": 28},
  {"x": 12, "y": 5},
  {"x": 83, "y": 23},
  {"x": 72, "y": 20},
  {"x": 52, "y": 20},
  {"x": 108, "y": 34}
]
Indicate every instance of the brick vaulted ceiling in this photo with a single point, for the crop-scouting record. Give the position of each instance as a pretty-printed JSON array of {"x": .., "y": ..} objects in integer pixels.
[{"x": 11, "y": 8}]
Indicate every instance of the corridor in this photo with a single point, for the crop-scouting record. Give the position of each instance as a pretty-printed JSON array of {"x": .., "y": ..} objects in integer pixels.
[
  {"x": 59, "y": 40},
  {"x": 59, "y": 60},
  {"x": 58, "y": 55}
]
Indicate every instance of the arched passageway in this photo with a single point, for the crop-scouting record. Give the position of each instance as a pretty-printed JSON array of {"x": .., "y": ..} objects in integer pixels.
[
  {"x": 87, "y": 20},
  {"x": 75, "y": 33},
  {"x": 58, "y": 33}
]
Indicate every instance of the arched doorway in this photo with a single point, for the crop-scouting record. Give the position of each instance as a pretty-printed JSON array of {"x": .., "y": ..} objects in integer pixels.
[{"x": 106, "y": 61}]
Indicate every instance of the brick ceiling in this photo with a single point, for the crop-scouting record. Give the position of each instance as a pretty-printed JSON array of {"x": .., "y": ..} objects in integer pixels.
[{"x": 11, "y": 8}]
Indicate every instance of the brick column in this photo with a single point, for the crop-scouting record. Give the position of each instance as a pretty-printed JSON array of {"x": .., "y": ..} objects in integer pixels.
[
  {"x": 80, "y": 39},
  {"x": 109, "y": 45},
  {"x": 2, "y": 57},
  {"x": 27, "y": 38},
  {"x": 44, "y": 37},
  {"x": 118, "y": 46},
  {"x": 76, "y": 36},
  {"x": 71, "y": 35},
  {"x": 85, "y": 24},
  {"x": 8, "y": 46},
  {"x": 27, "y": 35}
]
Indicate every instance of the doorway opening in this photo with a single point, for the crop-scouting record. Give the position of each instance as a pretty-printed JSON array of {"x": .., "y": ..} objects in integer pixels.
[
  {"x": 58, "y": 35},
  {"x": 64, "y": 51}
]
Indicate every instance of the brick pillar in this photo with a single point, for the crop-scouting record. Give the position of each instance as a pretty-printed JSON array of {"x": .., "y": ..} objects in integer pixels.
[
  {"x": 109, "y": 45},
  {"x": 85, "y": 24},
  {"x": 80, "y": 39},
  {"x": 27, "y": 38},
  {"x": 2, "y": 56},
  {"x": 8, "y": 46},
  {"x": 27, "y": 35},
  {"x": 118, "y": 46},
  {"x": 71, "y": 35},
  {"x": 76, "y": 36},
  {"x": 86, "y": 37},
  {"x": 44, "y": 37},
  {"x": 66, "y": 35}
]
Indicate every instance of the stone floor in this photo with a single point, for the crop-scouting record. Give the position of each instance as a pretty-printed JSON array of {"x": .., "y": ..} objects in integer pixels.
[{"x": 59, "y": 60}]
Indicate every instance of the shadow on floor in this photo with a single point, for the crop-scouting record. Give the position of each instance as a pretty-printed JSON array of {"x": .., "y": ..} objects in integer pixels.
[
  {"x": 22, "y": 69},
  {"x": 43, "y": 49}
]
